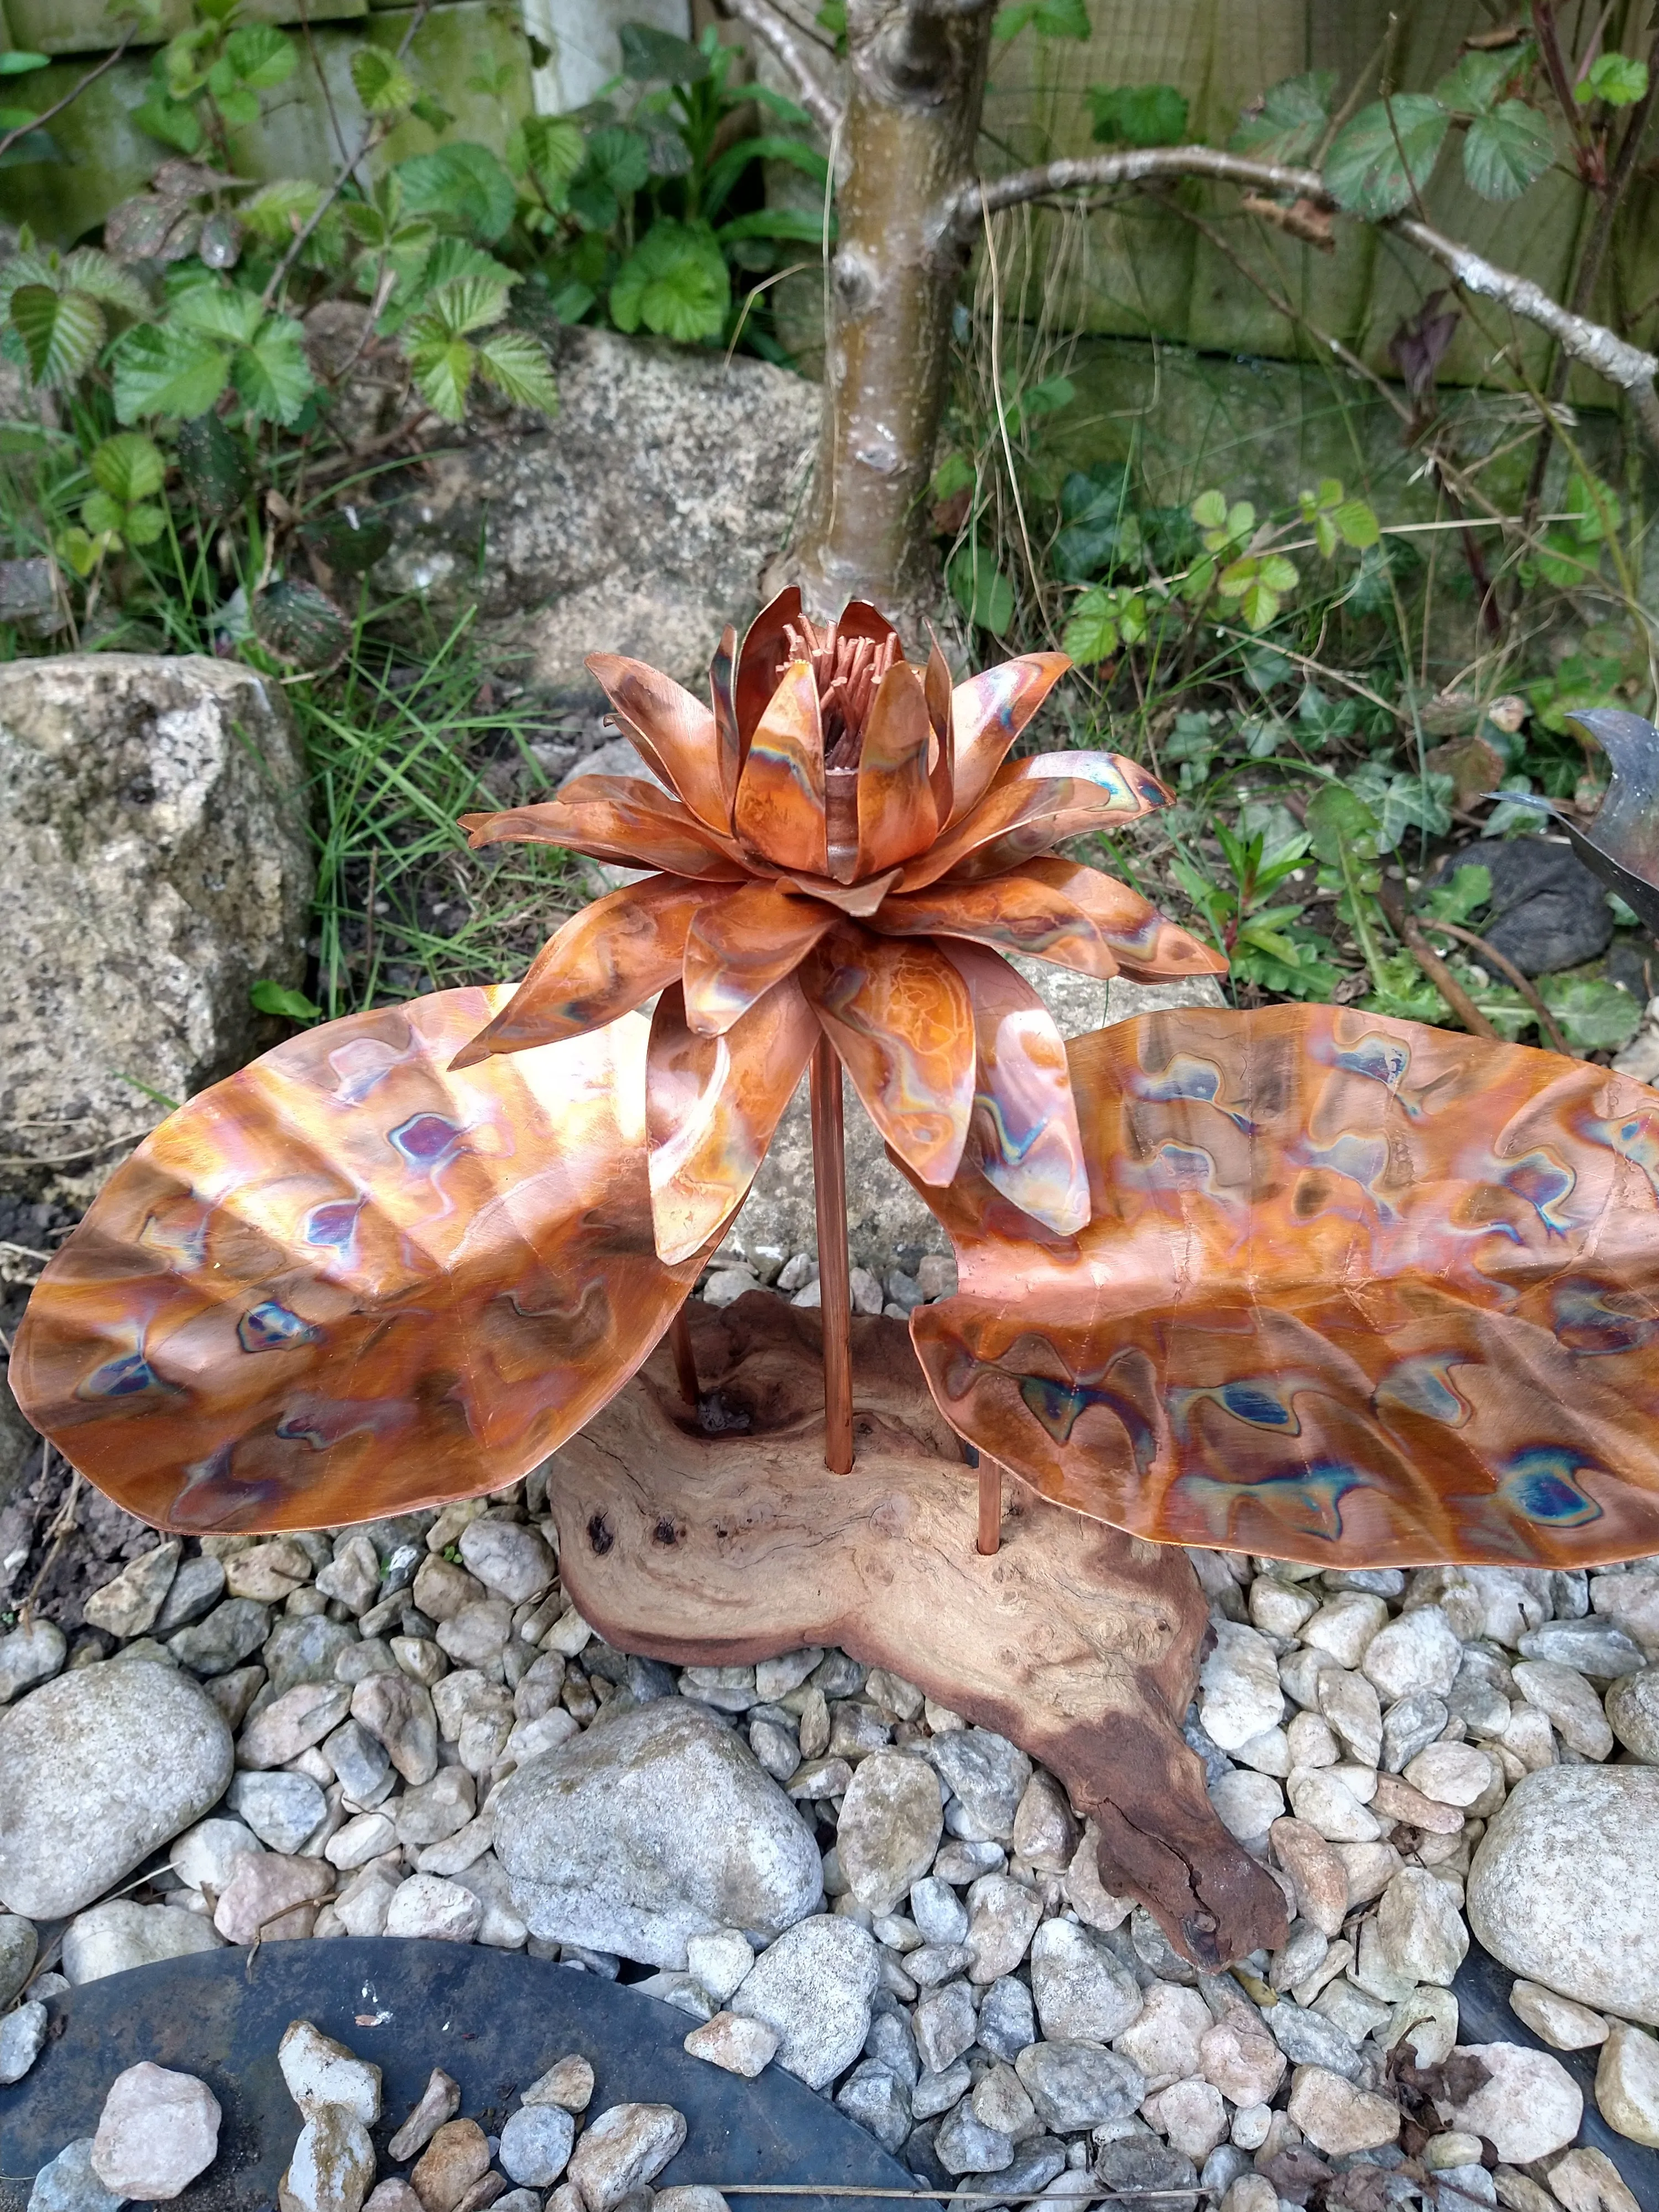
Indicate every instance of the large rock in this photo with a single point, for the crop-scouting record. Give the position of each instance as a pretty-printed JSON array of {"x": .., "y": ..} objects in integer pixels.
[
  {"x": 883, "y": 1213},
  {"x": 1561, "y": 1889},
  {"x": 652, "y": 1828},
  {"x": 98, "y": 1768},
  {"x": 157, "y": 853},
  {"x": 638, "y": 521}
]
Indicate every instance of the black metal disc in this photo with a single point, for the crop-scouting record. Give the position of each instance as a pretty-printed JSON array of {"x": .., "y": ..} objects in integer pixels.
[{"x": 494, "y": 2020}]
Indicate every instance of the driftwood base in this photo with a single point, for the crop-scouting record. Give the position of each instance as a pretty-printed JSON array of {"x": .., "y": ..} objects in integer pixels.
[{"x": 1080, "y": 1643}]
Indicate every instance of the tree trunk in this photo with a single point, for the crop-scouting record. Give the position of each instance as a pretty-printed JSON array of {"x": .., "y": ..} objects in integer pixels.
[{"x": 916, "y": 86}]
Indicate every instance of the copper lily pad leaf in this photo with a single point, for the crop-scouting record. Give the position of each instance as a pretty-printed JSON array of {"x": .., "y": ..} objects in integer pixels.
[
  {"x": 1354, "y": 1292},
  {"x": 349, "y": 1280}
]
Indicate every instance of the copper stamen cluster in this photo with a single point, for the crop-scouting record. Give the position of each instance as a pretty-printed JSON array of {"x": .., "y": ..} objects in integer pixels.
[{"x": 846, "y": 670}]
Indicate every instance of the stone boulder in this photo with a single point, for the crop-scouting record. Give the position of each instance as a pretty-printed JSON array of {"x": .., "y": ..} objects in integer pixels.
[
  {"x": 637, "y": 521},
  {"x": 151, "y": 815},
  {"x": 650, "y": 1829},
  {"x": 97, "y": 1769}
]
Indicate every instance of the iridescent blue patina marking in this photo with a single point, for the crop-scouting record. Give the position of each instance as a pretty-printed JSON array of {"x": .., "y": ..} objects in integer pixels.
[
  {"x": 271, "y": 1327},
  {"x": 1309, "y": 1499},
  {"x": 1541, "y": 1483}
]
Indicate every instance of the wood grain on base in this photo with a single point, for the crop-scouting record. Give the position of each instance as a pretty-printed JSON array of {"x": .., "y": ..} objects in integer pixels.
[{"x": 1078, "y": 1642}]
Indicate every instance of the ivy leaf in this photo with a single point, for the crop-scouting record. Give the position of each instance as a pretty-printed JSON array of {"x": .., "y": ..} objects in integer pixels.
[
  {"x": 128, "y": 467},
  {"x": 981, "y": 589},
  {"x": 272, "y": 374},
  {"x": 463, "y": 183},
  {"x": 61, "y": 332},
  {"x": 650, "y": 56},
  {"x": 517, "y": 364},
  {"x": 1364, "y": 170},
  {"x": 166, "y": 371},
  {"x": 1138, "y": 115},
  {"x": 1338, "y": 817},
  {"x": 1507, "y": 151},
  {"x": 260, "y": 56},
  {"x": 675, "y": 283},
  {"x": 268, "y": 997},
  {"x": 382, "y": 83},
  {"x": 1615, "y": 78},
  {"x": 1290, "y": 119}
]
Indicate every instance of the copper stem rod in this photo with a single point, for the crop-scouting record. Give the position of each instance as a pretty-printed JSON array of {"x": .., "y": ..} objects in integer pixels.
[
  {"x": 685, "y": 1362},
  {"x": 835, "y": 1268},
  {"x": 990, "y": 1506}
]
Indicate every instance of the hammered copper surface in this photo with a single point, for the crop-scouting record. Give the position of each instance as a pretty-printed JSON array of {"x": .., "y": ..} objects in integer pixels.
[
  {"x": 349, "y": 1281},
  {"x": 1353, "y": 1291}
]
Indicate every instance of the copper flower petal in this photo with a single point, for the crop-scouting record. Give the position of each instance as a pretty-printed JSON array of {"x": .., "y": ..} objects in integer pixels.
[
  {"x": 347, "y": 1283},
  {"x": 857, "y": 618},
  {"x": 739, "y": 946},
  {"x": 1013, "y": 823},
  {"x": 899, "y": 1016},
  {"x": 675, "y": 732},
  {"x": 1145, "y": 945},
  {"x": 599, "y": 964},
  {"x": 1354, "y": 1292},
  {"x": 937, "y": 685},
  {"x": 614, "y": 817},
  {"x": 712, "y": 1103},
  {"x": 897, "y": 817},
  {"x": 1016, "y": 913},
  {"x": 860, "y": 900},
  {"x": 1024, "y": 1119},
  {"x": 722, "y": 693},
  {"x": 763, "y": 659},
  {"x": 987, "y": 713},
  {"x": 1133, "y": 787},
  {"x": 779, "y": 812}
]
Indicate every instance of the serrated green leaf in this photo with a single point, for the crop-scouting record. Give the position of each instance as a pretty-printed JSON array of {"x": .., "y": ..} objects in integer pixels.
[
  {"x": 465, "y": 304},
  {"x": 61, "y": 332},
  {"x": 517, "y": 366},
  {"x": 168, "y": 372},
  {"x": 1616, "y": 78},
  {"x": 1292, "y": 120},
  {"x": 1209, "y": 510},
  {"x": 216, "y": 311},
  {"x": 101, "y": 514},
  {"x": 268, "y": 997},
  {"x": 1507, "y": 151},
  {"x": 464, "y": 184},
  {"x": 382, "y": 83},
  {"x": 1258, "y": 604},
  {"x": 239, "y": 106},
  {"x": 1385, "y": 153},
  {"x": 301, "y": 623},
  {"x": 675, "y": 283},
  {"x": 650, "y": 56},
  {"x": 82, "y": 551},
  {"x": 212, "y": 466},
  {"x": 1472, "y": 87},
  {"x": 278, "y": 210},
  {"x": 1356, "y": 523},
  {"x": 128, "y": 467},
  {"x": 954, "y": 473},
  {"x": 261, "y": 56},
  {"x": 981, "y": 589},
  {"x": 1278, "y": 574},
  {"x": 88, "y": 270},
  {"x": 555, "y": 151},
  {"x": 1595, "y": 1014},
  {"x": 1138, "y": 115},
  {"x": 272, "y": 374},
  {"x": 1092, "y": 633},
  {"x": 441, "y": 368},
  {"x": 145, "y": 524},
  {"x": 175, "y": 123}
]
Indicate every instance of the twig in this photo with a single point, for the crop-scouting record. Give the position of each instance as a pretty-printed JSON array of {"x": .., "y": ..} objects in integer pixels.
[
  {"x": 62, "y": 1522},
  {"x": 64, "y": 1159},
  {"x": 820, "y": 104},
  {"x": 1405, "y": 928},
  {"x": 1528, "y": 989},
  {"x": 35, "y": 122}
]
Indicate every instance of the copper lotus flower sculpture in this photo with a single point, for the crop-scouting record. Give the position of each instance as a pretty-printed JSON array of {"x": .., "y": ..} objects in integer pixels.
[
  {"x": 842, "y": 849},
  {"x": 1305, "y": 1281}
]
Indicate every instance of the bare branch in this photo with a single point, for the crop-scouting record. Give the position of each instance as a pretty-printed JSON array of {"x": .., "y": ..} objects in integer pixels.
[
  {"x": 10, "y": 139},
  {"x": 1599, "y": 349},
  {"x": 767, "y": 25}
]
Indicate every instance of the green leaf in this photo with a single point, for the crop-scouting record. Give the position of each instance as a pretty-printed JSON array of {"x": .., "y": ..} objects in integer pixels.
[
  {"x": 462, "y": 184},
  {"x": 1594, "y": 506},
  {"x": 1258, "y": 604},
  {"x": 517, "y": 366},
  {"x": 442, "y": 369},
  {"x": 278, "y": 210},
  {"x": 1595, "y": 1014},
  {"x": 90, "y": 271},
  {"x": 1615, "y": 78},
  {"x": 212, "y": 466},
  {"x": 725, "y": 170},
  {"x": 128, "y": 467},
  {"x": 675, "y": 283},
  {"x": 982, "y": 591},
  {"x": 774, "y": 222},
  {"x": 1209, "y": 510},
  {"x": 1050, "y": 19},
  {"x": 467, "y": 304},
  {"x": 174, "y": 122},
  {"x": 145, "y": 524},
  {"x": 1278, "y": 574},
  {"x": 382, "y": 83},
  {"x": 1338, "y": 817},
  {"x": 1290, "y": 119},
  {"x": 21, "y": 64},
  {"x": 555, "y": 151},
  {"x": 269, "y": 998},
  {"x": 1377, "y": 163},
  {"x": 301, "y": 623},
  {"x": 216, "y": 311},
  {"x": 652, "y": 57},
  {"x": 1507, "y": 151},
  {"x": 1472, "y": 87},
  {"x": 239, "y": 106},
  {"x": 1046, "y": 397},
  {"x": 1468, "y": 890},
  {"x": 617, "y": 165},
  {"x": 1138, "y": 115},
  {"x": 260, "y": 56},
  {"x": 1092, "y": 634},
  {"x": 272, "y": 374},
  {"x": 1356, "y": 523},
  {"x": 168, "y": 372},
  {"x": 954, "y": 473},
  {"x": 81, "y": 551},
  {"x": 61, "y": 332},
  {"x": 101, "y": 514}
]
